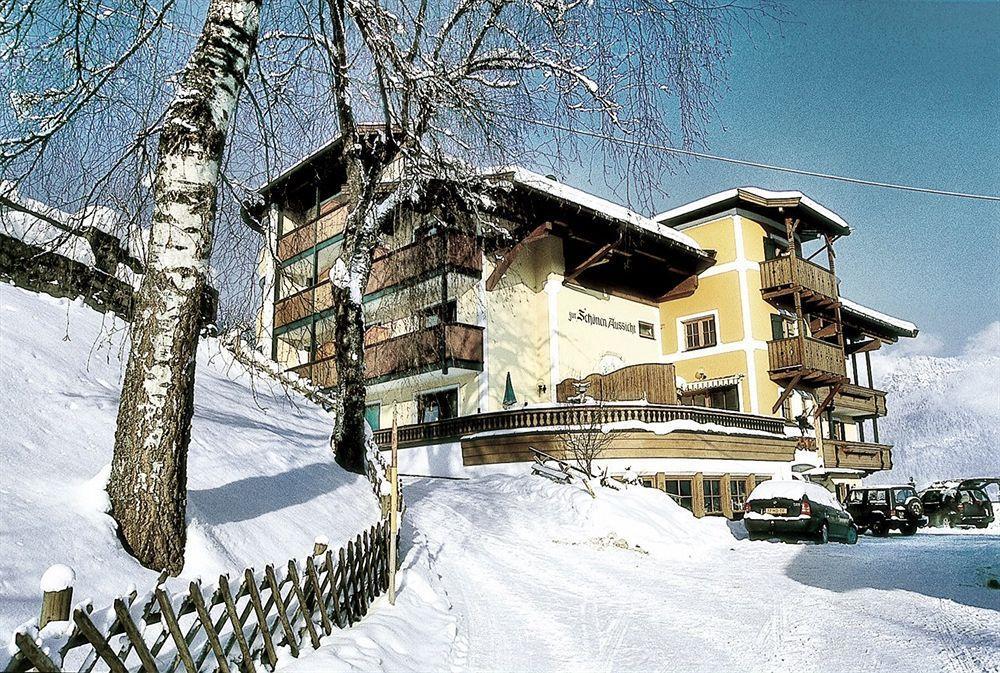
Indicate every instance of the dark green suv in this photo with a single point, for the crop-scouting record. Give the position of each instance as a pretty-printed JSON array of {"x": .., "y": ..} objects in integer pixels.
[{"x": 884, "y": 508}]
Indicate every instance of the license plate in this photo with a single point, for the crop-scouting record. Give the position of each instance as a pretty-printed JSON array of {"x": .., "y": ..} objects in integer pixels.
[{"x": 777, "y": 511}]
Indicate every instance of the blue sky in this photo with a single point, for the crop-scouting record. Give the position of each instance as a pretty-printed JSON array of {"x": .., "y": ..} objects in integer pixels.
[{"x": 905, "y": 92}]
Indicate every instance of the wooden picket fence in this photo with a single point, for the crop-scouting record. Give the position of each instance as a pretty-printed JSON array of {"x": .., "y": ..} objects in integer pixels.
[{"x": 216, "y": 628}]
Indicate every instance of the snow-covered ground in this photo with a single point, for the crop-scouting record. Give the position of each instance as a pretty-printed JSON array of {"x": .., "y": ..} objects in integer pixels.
[
  {"x": 262, "y": 482},
  {"x": 515, "y": 573}
]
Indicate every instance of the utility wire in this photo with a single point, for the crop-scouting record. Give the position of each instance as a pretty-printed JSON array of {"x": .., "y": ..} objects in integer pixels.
[{"x": 754, "y": 164}]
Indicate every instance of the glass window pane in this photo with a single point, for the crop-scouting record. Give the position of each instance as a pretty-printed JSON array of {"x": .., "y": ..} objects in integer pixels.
[
  {"x": 295, "y": 277},
  {"x": 294, "y": 347},
  {"x": 325, "y": 259}
]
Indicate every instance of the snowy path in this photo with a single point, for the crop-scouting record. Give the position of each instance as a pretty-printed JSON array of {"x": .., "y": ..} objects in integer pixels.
[
  {"x": 526, "y": 601},
  {"x": 518, "y": 574}
]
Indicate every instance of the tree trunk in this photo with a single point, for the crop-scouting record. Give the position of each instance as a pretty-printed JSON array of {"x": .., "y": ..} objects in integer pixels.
[
  {"x": 148, "y": 486},
  {"x": 349, "y": 436}
]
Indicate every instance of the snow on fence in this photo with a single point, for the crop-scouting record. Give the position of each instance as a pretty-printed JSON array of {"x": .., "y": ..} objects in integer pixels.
[{"x": 210, "y": 628}]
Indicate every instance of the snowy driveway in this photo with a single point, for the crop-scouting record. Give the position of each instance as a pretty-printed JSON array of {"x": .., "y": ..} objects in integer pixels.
[
  {"x": 519, "y": 574},
  {"x": 527, "y": 596}
]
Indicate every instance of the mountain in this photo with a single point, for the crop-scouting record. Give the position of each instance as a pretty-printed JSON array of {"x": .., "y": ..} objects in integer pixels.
[{"x": 944, "y": 413}]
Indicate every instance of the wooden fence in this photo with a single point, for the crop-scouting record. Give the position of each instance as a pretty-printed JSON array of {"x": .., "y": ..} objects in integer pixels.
[{"x": 218, "y": 628}]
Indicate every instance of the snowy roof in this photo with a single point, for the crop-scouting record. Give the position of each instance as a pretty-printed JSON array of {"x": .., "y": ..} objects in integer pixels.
[
  {"x": 595, "y": 204},
  {"x": 898, "y": 326},
  {"x": 758, "y": 196}
]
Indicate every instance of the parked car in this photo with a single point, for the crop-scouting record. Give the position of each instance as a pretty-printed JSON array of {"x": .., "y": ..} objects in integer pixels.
[
  {"x": 797, "y": 510},
  {"x": 881, "y": 509},
  {"x": 958, "y": 503}
]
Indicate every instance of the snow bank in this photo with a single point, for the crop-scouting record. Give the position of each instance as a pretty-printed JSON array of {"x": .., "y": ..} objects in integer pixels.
[{"x": 262, "y": 481}]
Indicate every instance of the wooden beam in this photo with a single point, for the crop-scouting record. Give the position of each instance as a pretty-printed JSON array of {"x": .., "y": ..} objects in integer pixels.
[
  {"x": 685, "y": 288},
  {"x": 597, "y": 257},
  {"x": 862, "y": 346},
  {"x": 834, "y": 389},
  {"x": 538, "y": 233},
  {"x": 789, "y": 389}
]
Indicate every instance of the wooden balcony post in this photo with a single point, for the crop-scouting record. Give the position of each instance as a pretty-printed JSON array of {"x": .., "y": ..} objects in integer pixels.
[
  {"x": 698, "y": 495},
  {"x": 724, "y": 492}
]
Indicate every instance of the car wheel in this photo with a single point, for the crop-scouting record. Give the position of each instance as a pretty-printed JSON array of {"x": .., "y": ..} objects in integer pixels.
[
  {"x": 824, "y": 534},
  {"x": 880, "y": 530},
  {"x": 861, "y": 530},
  {"x": 852, "y": 535},
  {"x": 908, "y": 528}
]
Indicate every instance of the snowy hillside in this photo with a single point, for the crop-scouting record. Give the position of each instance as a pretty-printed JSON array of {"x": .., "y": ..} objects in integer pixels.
[
  {"x": 262, "y": 482},
  {"x": 944, "y": 413}
]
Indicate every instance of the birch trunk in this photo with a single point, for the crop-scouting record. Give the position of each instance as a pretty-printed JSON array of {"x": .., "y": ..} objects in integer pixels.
[{"x": 148, "y": 486}]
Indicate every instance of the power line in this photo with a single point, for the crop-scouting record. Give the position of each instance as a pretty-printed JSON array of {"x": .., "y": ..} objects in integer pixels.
[{"x": 753, "y": 164}]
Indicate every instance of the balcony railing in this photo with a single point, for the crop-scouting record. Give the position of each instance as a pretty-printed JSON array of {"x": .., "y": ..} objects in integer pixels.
[
  {"x": 776, "y": 275},
  {"x": 329, "y": 223},
  {"x": 857, "y": 400},
  {"x": 857, "y": 455},
  {"x": 446, "y": 345},
  {"x": 453, "y": 249},
  {"x": 812, "y": 358},
  {"x": 572, "y": 415}
]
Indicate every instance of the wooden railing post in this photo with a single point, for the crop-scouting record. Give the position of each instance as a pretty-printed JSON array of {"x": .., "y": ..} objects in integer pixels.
[
  {"x": 57, "y": 594},
  {"x": 393, "y": 509}
]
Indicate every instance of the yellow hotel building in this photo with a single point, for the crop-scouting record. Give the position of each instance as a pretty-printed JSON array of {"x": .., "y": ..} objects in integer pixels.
[{"x": 712, "y": 352}]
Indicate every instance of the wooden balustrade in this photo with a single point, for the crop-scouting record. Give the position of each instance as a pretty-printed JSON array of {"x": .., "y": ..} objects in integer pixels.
[
  {"x": 858, "y": 400},
  {"x": 776, "y": 276},
  {"x": 573, "y": 415},
  {"x": 812, "y": 358},
  {"x": 452, "y": 249},
  {"x": 450, "y": 344},
  {"x": 857, "y": 455}
]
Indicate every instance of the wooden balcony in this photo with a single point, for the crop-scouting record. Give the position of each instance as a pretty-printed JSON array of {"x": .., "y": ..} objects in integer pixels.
[
  {"x": 854, "y": 400},
  {"x": 449, "y": 345},
  {"x": 654, "y": 382},
  {"x": 817, "y": 285},
  {"x": 453, "y": 250},
  {"x": 331, "y": 221},
  {"x": 570, "y": 415},
  {"x": 856, "y": 455},
  {"x": 814, "y": 361}
]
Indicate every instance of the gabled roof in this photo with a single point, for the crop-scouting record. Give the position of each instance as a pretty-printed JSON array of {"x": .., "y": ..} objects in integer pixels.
[
  {"x": 757, "y": 198},
  {"x": 595, "y": 205},
  {"x": 896, "y": 327}
]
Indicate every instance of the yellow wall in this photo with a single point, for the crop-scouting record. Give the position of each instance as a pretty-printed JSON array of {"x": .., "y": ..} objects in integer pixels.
[{"x": 740, "y": 245}]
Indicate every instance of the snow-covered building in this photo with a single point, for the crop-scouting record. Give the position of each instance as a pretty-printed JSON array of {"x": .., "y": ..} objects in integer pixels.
[{"x": 712, "y": 356}]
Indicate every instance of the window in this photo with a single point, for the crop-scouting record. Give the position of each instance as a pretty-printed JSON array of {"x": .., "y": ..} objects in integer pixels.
[
  {"x": 325, "y": 259},
  {"x": 325, "y": 338},
  {"x": 648, "y": 482},
  {"x": 437, "y": 406},
  {"x": 738, "y": 493},
  {"x": 855, "y": 497},
  {"x": 294, "y": 347},
  {"x": 439, "y": 313},
  {"x": 646, "y": 330},
  {"x": 712, "y": 490},
  {"x": 680, "y": 491},
  {"x": 877, "y": 497},
  {"x": 295, "y": 277},
  {"x": 772, "y": 248},
  {"x": 726, "y": 397},
  {"x": 373, "y": 413},
  {"x": 699, "y": 333},
  {"x": 778, "y": 330}
]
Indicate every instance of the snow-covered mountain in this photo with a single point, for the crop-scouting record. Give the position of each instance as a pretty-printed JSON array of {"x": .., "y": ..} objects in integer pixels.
[{"x": 944, "y": 412}]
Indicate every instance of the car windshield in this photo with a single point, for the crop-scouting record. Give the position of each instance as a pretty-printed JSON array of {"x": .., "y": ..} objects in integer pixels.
[{"x": 903, "y": 494}]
